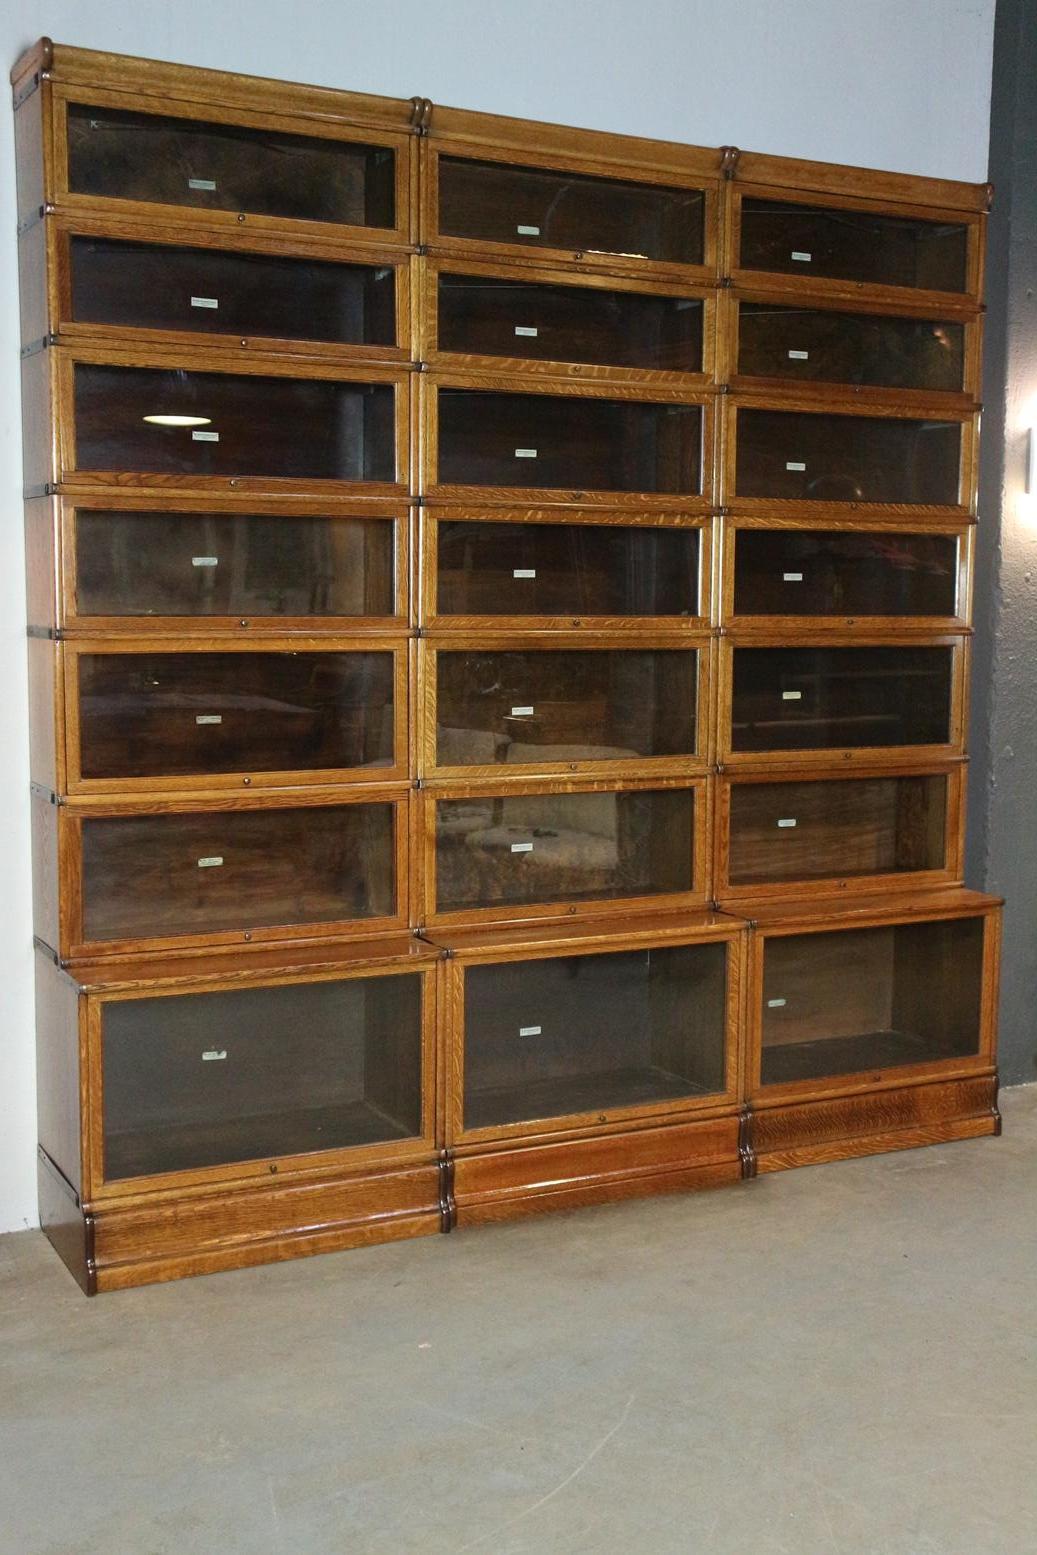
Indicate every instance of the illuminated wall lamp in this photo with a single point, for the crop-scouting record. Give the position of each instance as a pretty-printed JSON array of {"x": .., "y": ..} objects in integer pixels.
[{"x": 1031, "y": 462}]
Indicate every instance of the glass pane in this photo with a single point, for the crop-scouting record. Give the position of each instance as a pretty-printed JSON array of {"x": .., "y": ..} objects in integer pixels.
[
  {"x": 144, "y": 286},
  {"x": 146, "y": 875},
  {"x": 818, "y": 830},
  {"x": 840, "y": 1002},
  {"x": 566, "y": 706},
  {"x": 233, "y": 564},
  {"x": 800, "y": 456},
  {"x": 840, "y": 698},
  {"x": 544, "y": 440},
  {"x": 218, "y": 424},
  {"x": 567, "y": 570},
  {"x": 819, "y": 572},
  {"x": 853, "y": 245},
  {"x": 541, "y": 208},
  {"x": 225, "y": 167},
  {"x": 178, "y": 714},
  {"x": 490, "y": 317},
  {"x": 505, "y": 850},
  {"x": 860, "y": 348},
  {"x": 584, "y": 1033},
  {"x": 195, "y": 1080}
]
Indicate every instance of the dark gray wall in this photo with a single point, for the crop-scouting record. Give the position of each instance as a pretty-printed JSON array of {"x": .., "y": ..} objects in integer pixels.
[{"x": 1002, "y": 842}]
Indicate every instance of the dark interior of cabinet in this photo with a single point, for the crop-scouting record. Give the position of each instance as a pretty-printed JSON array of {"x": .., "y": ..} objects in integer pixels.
[
  {"x": 132, "y": 563},
  {"x": 318, "y": 429},
  {"x": 868, "y": 246},
  {"x": 498, "y": 202},
  {"x": 806, "y": 457},
  {"x": 150, "y": 286},
  {"x": 545, "y": 440},
  {"x": 793, "y": 341},
  {"x": 816, "y": 830},
  {"x": 156, "y": 875},
  {"x": 840, "y": 698},
  {"x": 533, "y": 569},
  {"x": 574, "y": 1034},
  {"x": 503, "y": 850},
  {"x": 227, "y": 167},
  {"x": 183, "y": 714},
  {"x": 839, "y": 1002},
  {"x": 490, "y": 316},
  {"x": 201, "y": 1080},
  {"x": 520, "y": 707},
  {"x": 837, "y": 572}
]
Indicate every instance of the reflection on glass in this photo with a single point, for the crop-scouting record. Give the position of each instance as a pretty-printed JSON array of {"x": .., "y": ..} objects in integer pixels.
[
  {"x": 487, "y": 316},
  {"x": 146, "y": 286},
  {"x": 817, "y": 344},
  {"x": 194, "y": 1080},
  {"x": 802, "y": 456},
  {"x": 154, "y": 875},
  {"x": 178, "y": 714},
  {"x": 837, "y": 1003},
  {"x": 543, "y": 440},
  {"x": 538, "y": 208},
  {"x": 503, "y": 851},
  {"x": 233, "y": 564},
  {"x": 840, "y": 698},
  {"x": 569, "y": 570},
  {"x": 819, "y": 572},
  {"x": 545, "y": 706},
  {"x": 808, "y": 241},
  {"x": 577, "y": 1034},
  {"x": 225, "y": 167},
  {"x": 819, "y": 830},
  {"x": 309, "y": 430}
]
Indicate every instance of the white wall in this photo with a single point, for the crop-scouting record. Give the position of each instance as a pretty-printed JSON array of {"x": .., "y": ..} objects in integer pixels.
[{"x": 880, "y": 83}]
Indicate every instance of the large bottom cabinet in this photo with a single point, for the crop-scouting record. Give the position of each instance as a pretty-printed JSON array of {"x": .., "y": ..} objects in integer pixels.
[
  {"x": 590, "y": 1062},
  {"x": 202, "y": 1112},
  {"x": 871, "y": 1026},
  {"x": 233, "y": 1111}
]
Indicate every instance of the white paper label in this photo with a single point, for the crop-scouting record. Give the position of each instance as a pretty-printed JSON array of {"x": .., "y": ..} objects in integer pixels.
[
  {"x": 521, "y": 712},
  {"x": 527, "y": 329},
  {"x": 521, "y": 847},
  {"x": 205, "y": 437},
  {"x": 775, "y": 1004},
  {"x": 213, "y": 1055},
  {"x": 209, "y": 718},
  {"x": 792, "y": 577},
  {"x": 799, "y": 356},
  {"x": 803, "y": 259},
  {"x": 530, "y": 1031},
  {"x": 201, "y": 183},
  {"x": 790, "y": 821},
  {"x": 210, "y": 863},
  {"x": 525, "y": 453},
  {"x": 528, "y": 232},
  {"x": 205, "y": 561},
  {"x": 524, "y": 572},
  {"x": 205, "y": 302},
  {"x": 791, "y": 696},
  {"x": 794, "y": 464}
]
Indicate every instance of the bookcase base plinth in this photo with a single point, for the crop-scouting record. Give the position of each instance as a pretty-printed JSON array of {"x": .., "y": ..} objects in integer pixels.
[{"x": 836, "y": 1128}]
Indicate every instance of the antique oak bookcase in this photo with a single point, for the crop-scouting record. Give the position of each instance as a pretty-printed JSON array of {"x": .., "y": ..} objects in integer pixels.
[{"x": 499, "y": 605}]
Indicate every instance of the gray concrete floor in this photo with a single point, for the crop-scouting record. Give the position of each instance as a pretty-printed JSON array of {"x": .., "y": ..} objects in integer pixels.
[{"x": 840, "y": 1359}]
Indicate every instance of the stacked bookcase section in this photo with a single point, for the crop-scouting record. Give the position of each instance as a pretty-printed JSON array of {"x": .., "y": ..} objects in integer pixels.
[
  {"x": 499, "y": 614},
  {"x": 850, "y": 361}
]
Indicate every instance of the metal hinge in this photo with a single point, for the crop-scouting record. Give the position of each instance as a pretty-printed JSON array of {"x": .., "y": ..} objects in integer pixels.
[{"x": 36, "y": 346}]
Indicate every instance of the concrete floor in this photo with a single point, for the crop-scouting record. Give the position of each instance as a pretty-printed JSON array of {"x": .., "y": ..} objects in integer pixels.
[{"x": 840, "y": 1359}]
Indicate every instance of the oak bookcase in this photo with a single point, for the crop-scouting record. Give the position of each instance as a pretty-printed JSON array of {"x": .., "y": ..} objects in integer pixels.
[{"x": 499, "y": 613}]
